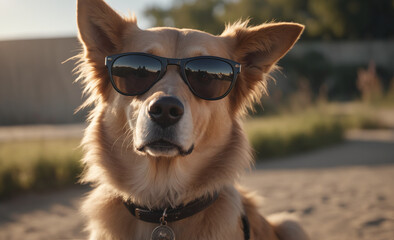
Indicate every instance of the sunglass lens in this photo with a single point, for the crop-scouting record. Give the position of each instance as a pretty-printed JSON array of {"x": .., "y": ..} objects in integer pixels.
[
  {"x": 209, "y": 78},
  {"x": 135, "y": 74}
]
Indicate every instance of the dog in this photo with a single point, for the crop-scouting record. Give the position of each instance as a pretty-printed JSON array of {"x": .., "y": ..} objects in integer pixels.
[{"x": 165, "y": 146}]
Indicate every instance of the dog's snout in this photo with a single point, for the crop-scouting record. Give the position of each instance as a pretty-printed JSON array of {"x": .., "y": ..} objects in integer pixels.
[{"x": 166, "y": 111}]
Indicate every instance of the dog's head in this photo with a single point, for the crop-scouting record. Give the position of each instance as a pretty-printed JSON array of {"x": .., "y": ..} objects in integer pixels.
[{"x": 169, "y": 120}]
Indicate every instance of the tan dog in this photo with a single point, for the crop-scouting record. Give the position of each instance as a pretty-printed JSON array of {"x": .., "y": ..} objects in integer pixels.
[{"x": 156, "y": 145}]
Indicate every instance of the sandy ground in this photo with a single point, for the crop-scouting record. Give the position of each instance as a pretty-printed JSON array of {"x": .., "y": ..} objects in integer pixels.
[{"x": 344, "y": 192}]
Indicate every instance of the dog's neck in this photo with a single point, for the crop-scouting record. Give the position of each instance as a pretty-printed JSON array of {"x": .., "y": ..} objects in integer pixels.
[{"x": 159, "y": 184}]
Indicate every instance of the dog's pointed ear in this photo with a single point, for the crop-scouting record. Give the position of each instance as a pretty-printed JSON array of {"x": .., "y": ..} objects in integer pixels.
[
  {"x": 262, "y": 46},
  {"x": 258, "y": 49},
  {"x": 100, "y": 28}
]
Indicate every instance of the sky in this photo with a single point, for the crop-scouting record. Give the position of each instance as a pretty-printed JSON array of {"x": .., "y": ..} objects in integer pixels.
[{"x": 27, "y": 19}]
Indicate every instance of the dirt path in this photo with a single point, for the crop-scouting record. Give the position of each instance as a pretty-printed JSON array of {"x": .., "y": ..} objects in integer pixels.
[
  {"x": 350, "y": 203},
  {"x": 345, "y": 192},
  {"x": 42, "y": 216},
  {"x": 33, "y": 132}
]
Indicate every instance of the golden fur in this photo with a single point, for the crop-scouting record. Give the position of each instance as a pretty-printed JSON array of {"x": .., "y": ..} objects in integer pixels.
[{"x": 221, "y": 153}]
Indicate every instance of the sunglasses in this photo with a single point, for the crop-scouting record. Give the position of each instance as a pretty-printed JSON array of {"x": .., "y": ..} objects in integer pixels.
[{"x": 208, "y": 77}]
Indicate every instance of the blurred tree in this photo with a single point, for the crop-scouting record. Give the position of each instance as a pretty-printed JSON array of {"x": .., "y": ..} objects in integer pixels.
[
  {"x": 334, "y": 19},
  {"x": 203, "y": 15}
]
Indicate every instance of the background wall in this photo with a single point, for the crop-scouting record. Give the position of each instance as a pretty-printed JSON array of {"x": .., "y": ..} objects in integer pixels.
[
  {"x": 351, "y": 52},
  {"x": 35, "y": 87}
]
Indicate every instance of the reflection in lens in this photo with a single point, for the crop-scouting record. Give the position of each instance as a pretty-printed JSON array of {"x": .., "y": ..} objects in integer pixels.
[
  {"x": 209, "y": 78},
  {"x": 134, "y": 74}
]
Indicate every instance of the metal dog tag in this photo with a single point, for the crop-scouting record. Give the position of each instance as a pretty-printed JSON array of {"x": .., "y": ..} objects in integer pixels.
[{"x": 163, "y": 232}]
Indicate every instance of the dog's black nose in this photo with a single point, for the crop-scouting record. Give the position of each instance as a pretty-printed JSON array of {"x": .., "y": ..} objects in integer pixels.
[{"x": 166, "y": 111}]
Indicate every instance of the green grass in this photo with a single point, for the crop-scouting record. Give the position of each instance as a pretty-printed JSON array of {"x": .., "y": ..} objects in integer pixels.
[
  {"x": 38, "y": 165},
  {"x": 292, "y": 133},
  {"x": 359, "y": 115},
  {"x": 314, "y": 127}
]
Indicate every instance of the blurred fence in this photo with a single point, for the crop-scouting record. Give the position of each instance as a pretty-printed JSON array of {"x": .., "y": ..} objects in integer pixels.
[
  {"x": 350, "y": 52},
  {"x": 35, "y": 87}
]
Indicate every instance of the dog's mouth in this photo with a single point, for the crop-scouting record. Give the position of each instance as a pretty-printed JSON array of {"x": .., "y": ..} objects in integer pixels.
[{"x": 164, "y": 148}]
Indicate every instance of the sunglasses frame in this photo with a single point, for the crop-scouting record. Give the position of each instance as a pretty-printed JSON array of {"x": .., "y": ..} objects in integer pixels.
[{"x": 181, "y": 62}]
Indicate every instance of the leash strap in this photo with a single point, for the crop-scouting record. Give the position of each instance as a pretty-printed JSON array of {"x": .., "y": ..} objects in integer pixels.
[{"x": 246, "y": 227}]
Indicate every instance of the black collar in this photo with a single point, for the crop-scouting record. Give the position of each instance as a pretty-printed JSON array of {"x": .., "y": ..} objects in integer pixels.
[
  {"x": 172, "y": 214},
  {"x": 180, "y": 212}
]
